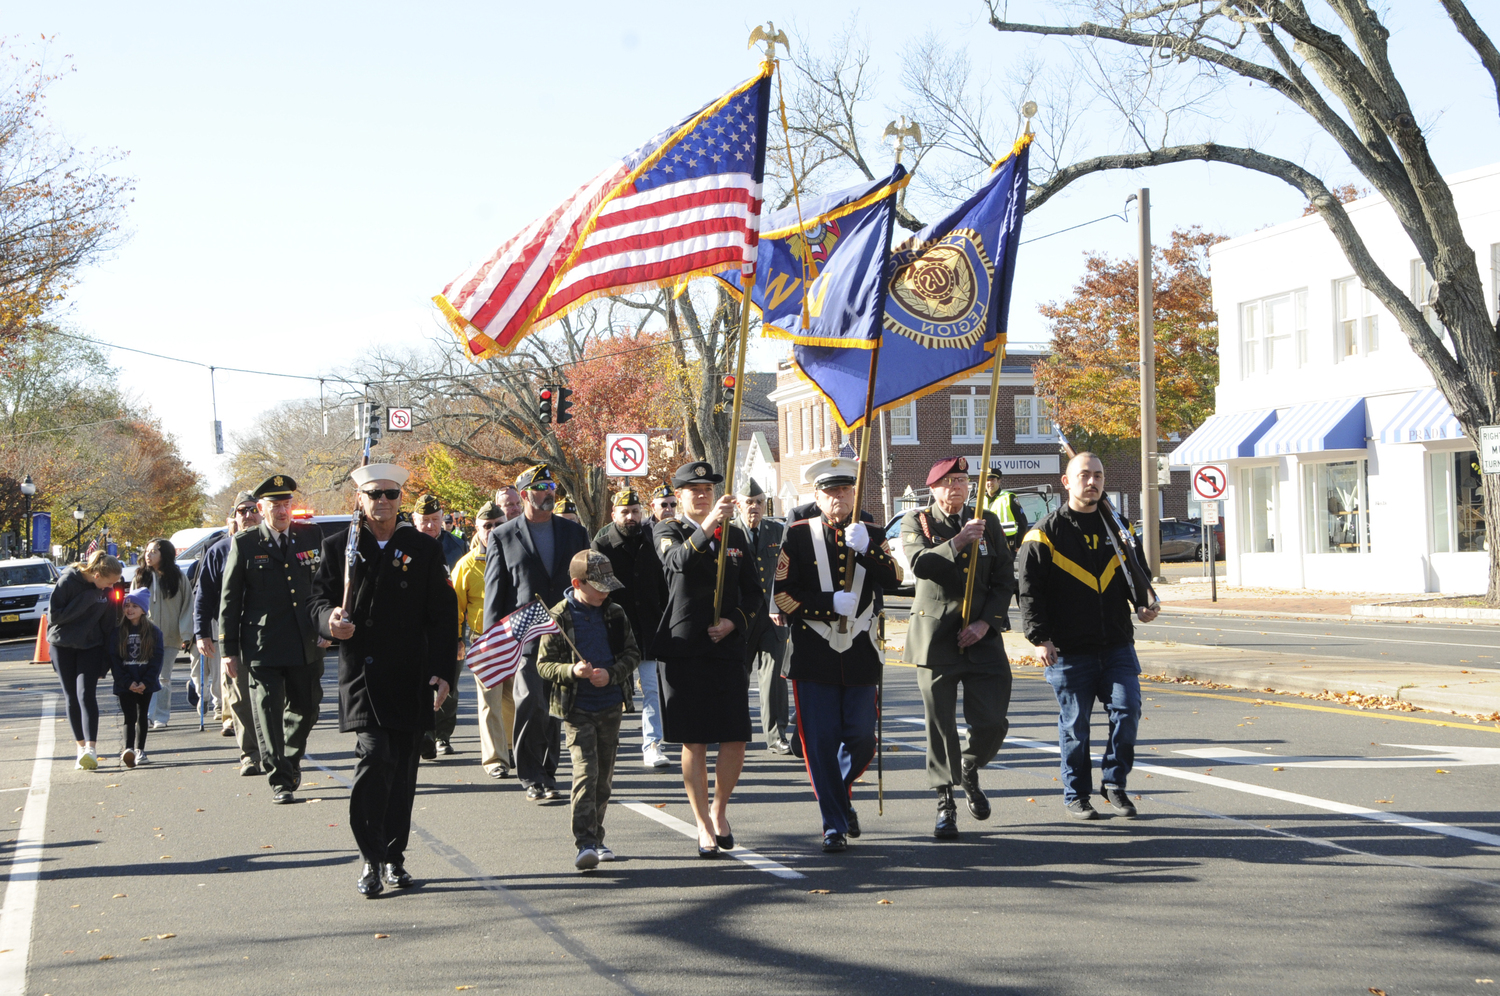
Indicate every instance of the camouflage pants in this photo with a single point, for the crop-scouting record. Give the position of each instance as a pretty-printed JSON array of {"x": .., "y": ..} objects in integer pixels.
[{"x": 592, "y": 739}]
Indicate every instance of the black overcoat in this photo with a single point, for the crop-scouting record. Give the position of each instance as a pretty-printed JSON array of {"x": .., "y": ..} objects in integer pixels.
[
  {"x": 405, "y": 628},
  {"x": 690, "y": 565}
]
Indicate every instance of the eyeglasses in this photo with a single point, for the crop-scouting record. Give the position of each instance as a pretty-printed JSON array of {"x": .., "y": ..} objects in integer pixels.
[
  {"x": 541, "y": 486},
  {"x": 246, "y": 510},
  {"x": 669, "y": 504},
  {"x": 390, "y": 494}
]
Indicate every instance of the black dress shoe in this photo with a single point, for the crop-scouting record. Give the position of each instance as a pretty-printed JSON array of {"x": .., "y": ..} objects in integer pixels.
[
  {"x": 394, "y": 874},
  {"x": 833, "y": 842},
  {"x": 369, "y": 881},
  {"x": 708, "y": 852},
  {"x": 726, "y": 842},
  {"x": 283, "y": 798},
  {"x": 979, "y": 806},
  {"x": 853, "y": 823},
  {"x": 429, "y": 749},
  {"x": 947, "y": 815},
  {"x": 779, "y": 746},
  {"x": 535, "y": 793}
]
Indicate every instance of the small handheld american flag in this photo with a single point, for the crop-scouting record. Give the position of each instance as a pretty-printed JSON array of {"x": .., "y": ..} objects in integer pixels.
[{"x": 496, "y": 655}]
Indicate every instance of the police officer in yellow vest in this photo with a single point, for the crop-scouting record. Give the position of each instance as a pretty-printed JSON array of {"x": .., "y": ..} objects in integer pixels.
[{"x": 994, "y": 498}]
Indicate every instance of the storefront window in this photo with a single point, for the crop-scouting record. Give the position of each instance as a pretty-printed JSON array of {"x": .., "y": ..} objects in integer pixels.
[
  {"x": 1336, "y": 508},
  {"x": 1456, "y": 491},
  {"x": 1258, "y": 510}
]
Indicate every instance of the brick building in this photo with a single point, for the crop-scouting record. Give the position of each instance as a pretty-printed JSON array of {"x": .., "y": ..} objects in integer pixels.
[{"x": 949, "y": 421}]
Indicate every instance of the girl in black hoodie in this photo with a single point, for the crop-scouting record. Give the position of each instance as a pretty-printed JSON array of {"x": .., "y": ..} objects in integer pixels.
[{"x": 78, "y": 620}]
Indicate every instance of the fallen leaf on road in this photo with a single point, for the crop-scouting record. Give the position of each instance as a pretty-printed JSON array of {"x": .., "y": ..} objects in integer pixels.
[
  {"x": 265, "y": 846},
  {"x": 379, "y": 937},
  {"x": 1442, "y": 771},
  {"x": 75, "y": 906},
  {"x": 163, "y": 937},
  {"x": 461, "y": 988},
  {"x": 197, "y": 810},
  {"x": 94, "y": 931},
  {"x": 166, "y": 857},
  {"x": 1484, "y": 982},
  {"x": 882, "y": 902},
  {"x": 111, "y": 958},
  {"x": 223, "y": 868},
  {"x": 819, "y": 892},
  {"x": 146, "y": 938},
  {"x": 118, "y": 895},
  {"x": 661, "y": 805},
  {"x": 1031, "y": 800},
  {"x": 1273, "y": 769},
  {"x": 117, "y": 784},
  {"x": 1385, "y": 802},
  {"x": 70, "y": 951},
  {"x": 1377, "y": 992}
]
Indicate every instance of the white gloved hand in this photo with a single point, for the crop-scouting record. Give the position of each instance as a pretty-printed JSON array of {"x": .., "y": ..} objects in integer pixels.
[
  {"x": 845, "y": 602},
  {"x": 858, "y": 537}
]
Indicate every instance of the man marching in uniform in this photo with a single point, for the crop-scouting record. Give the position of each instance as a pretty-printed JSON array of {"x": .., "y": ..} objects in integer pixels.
[
  {"x": 766, "y": 641},
  {"x": 834, "y": 673},
  {"x": 398, "y": 641},
  {"x": 940, "y": 541},
  {"x": 265, "y": 627}
]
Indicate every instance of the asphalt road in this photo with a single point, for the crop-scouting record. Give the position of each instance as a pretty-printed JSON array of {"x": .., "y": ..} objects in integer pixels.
[{"x": 1299, "y": 849}]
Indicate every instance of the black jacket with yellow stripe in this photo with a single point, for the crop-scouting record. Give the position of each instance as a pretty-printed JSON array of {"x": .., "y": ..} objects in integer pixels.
[{"x": 1072, "y": 594}]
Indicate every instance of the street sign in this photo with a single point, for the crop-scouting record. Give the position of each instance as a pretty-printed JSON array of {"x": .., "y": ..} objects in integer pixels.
[
  {"x": 625, "y": 454},
  {"x": 1210, "y": 481},
  {"x": 1210, "y": 513},
  {"x": 1489, "y": 449},
  {"x": 398, "y": 419},
  {"x": 41, "y": 532}
]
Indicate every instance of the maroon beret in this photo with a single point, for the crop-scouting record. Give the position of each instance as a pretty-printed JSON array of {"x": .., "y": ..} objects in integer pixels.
[{"x": 946, "y": 466}]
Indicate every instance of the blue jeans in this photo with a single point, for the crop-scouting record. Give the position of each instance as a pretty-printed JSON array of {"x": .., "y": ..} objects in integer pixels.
[
  {"x": 651, "y": 732},
  {"x": 1112, "y": 677}
]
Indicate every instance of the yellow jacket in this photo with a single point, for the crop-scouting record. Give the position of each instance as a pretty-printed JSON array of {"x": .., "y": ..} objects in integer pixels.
[{"x": 468, "y": 585}]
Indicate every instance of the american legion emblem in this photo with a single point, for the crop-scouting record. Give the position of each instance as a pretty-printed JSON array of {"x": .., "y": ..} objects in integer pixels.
[{"x": 940, "y": 291}]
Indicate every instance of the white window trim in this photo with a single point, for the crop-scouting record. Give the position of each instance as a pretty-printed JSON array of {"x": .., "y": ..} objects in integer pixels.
[
  {"x": 1362, "y": 497},
  {"x": 1035, "y": 437},
  {"x": 906, "y": 440},
  {"x": 1366, "y": 318},
  {"x": 968, "y": 400},
  {"x": 1260, "y": 345}
]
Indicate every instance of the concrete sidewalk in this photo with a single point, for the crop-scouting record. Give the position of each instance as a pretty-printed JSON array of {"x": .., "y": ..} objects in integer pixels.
[
  {"x": 1450, "y": 689},
  {"x": 1191, "y": 596}
]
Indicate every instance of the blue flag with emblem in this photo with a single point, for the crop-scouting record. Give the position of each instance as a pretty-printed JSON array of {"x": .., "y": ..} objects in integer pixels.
[
  {"x": 947, "y": 303},
  {"x": 830, "y": 255}
]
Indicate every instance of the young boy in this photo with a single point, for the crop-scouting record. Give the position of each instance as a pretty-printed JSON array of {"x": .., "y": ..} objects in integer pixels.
[{"x": 590, "y": 691}]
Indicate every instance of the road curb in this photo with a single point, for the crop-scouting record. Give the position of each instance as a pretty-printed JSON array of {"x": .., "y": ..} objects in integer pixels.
[{"x": 1444, "y": 612}]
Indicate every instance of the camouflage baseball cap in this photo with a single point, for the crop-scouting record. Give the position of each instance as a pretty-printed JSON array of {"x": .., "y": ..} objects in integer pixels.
[{"x": 595, "y": 568}]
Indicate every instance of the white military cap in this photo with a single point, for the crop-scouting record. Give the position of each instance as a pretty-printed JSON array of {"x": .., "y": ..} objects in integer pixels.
[
  {"x": 379, "y": 472},
  {"x": 831, "y": 472}
]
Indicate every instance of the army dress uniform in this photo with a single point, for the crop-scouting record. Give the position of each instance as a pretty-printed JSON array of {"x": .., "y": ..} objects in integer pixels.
[
  {"x": 835, "y": 675},
  {"x": 932, "y": 633},
  {"x": 705, "y": 689},
  {"x": 264, "y": 621},
  {"x": 766, "y": 642}
]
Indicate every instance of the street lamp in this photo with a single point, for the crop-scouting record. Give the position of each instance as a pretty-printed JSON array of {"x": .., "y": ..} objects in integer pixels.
[
  {"x": 78, "y": 539},
  {"x": 28, "y": 488}
]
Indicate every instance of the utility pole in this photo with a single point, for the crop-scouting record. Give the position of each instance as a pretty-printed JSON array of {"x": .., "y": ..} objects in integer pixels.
[{"x": 1150, "y": 511}]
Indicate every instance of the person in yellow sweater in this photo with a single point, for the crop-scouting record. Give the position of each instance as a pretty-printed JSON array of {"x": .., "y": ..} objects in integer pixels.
[{"x": 497, "y": 706}]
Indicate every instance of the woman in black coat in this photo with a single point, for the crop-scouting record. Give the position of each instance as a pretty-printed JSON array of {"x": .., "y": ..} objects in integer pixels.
[{"x": 79, "y": 617}]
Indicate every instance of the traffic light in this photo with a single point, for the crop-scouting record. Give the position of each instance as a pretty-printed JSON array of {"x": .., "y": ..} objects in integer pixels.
[
  {"x": 374, "y": 423},
  {"x": 544, "y": 406},
  {"x": 563, "y": 404},
  {"x": 729, "y": 388}
]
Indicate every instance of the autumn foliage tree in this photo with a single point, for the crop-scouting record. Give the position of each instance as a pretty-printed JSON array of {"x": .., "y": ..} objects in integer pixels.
[{"x": 1091, "y": 377}]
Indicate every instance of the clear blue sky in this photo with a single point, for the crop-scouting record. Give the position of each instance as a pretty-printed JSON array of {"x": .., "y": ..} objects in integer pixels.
[{"x": 309, "y": 174}]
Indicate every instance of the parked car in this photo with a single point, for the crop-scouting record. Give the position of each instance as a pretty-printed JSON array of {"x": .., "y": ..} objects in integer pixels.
[
  {"x": 25, "y": 589},
  {"x": 893, "y": 535},
  {"x": 1182, "y": 539}
]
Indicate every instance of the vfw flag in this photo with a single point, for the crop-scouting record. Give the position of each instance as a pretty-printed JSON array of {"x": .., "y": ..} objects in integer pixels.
[
  {"x": 685, "y": 204},
  {"x": 496, "y": 655}
]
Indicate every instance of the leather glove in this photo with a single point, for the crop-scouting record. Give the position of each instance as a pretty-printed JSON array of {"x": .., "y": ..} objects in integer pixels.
[
  {"x": 858, "y": 537},
  {"x": 845, "y": 603}
]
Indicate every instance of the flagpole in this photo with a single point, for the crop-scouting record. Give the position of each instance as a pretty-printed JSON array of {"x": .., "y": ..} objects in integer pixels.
[
  {"x": 972, "y": 570},
  {"x": 859, "y": 473}
]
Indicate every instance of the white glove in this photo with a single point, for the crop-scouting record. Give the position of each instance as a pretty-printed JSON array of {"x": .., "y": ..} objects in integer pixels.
[
  {"x": 858, "y": 537},
  {"x": 845, "y": 603}
]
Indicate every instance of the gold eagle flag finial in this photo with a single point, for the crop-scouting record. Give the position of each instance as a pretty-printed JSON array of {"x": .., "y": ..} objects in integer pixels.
[{"x": 771, "y": 37}]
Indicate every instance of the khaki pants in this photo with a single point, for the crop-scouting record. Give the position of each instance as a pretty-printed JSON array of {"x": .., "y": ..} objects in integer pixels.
[
  {"x": 237, "y": 701},
  {"x": 497, "y": 724}
]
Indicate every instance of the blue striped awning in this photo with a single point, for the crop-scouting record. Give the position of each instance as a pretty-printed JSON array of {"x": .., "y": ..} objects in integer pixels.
[
  {"x": 1425, "y": 416},
  {"x": 1312, "y": 428},
  {"x": 1223, "y": 437}
]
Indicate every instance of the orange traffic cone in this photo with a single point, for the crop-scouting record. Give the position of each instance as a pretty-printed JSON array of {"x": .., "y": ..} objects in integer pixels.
[{"x": 43, "y": 652}]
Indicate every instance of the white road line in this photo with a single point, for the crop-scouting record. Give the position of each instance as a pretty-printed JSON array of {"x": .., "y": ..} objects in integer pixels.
[
  {"x": 26, "y": 862},
  {"x": 740, "y": 853},
  {"x": 1313, "y": 802},
  {"x": 1251, "y": 631}
]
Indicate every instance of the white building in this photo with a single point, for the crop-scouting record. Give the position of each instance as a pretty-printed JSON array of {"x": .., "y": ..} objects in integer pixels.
[{"x": 1348, "y": 471}]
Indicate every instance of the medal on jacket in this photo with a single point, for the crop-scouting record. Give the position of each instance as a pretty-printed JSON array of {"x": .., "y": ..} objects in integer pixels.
[{"x": 401, "y": 559}]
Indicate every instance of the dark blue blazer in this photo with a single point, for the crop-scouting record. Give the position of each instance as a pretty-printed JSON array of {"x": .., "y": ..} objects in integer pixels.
[{"x": 513, "y": 572}]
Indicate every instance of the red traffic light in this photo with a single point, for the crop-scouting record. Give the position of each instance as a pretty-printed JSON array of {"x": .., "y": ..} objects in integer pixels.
[
  {"x": 546, "y": 395},
  {"x": 729, "y": 381}
]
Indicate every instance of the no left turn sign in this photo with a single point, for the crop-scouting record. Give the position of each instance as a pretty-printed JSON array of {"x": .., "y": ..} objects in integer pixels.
[
  {"x": 1210, "y": 481},
  {"x": 625, "y": 454}
]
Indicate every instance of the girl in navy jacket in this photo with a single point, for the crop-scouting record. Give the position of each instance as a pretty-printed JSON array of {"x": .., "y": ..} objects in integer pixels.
[{"x": 135, "y": 650}]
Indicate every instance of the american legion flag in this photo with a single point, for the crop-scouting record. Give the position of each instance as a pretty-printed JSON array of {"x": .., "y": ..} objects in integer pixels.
[
  {"x": 496, "y": 655},
  {"x": 685, "y": 204}
]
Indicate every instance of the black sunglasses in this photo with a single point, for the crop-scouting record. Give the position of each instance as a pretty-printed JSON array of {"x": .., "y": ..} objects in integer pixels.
[
  {"x": 389, "y": 493},
  {"x": 669, "y": 504}
]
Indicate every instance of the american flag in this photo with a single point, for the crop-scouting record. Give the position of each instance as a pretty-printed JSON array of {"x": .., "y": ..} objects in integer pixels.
[
  {"x": 496, "y": 655},
  {"x": 685, "y": 204},
  {"x": 92, "y": 548}
]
